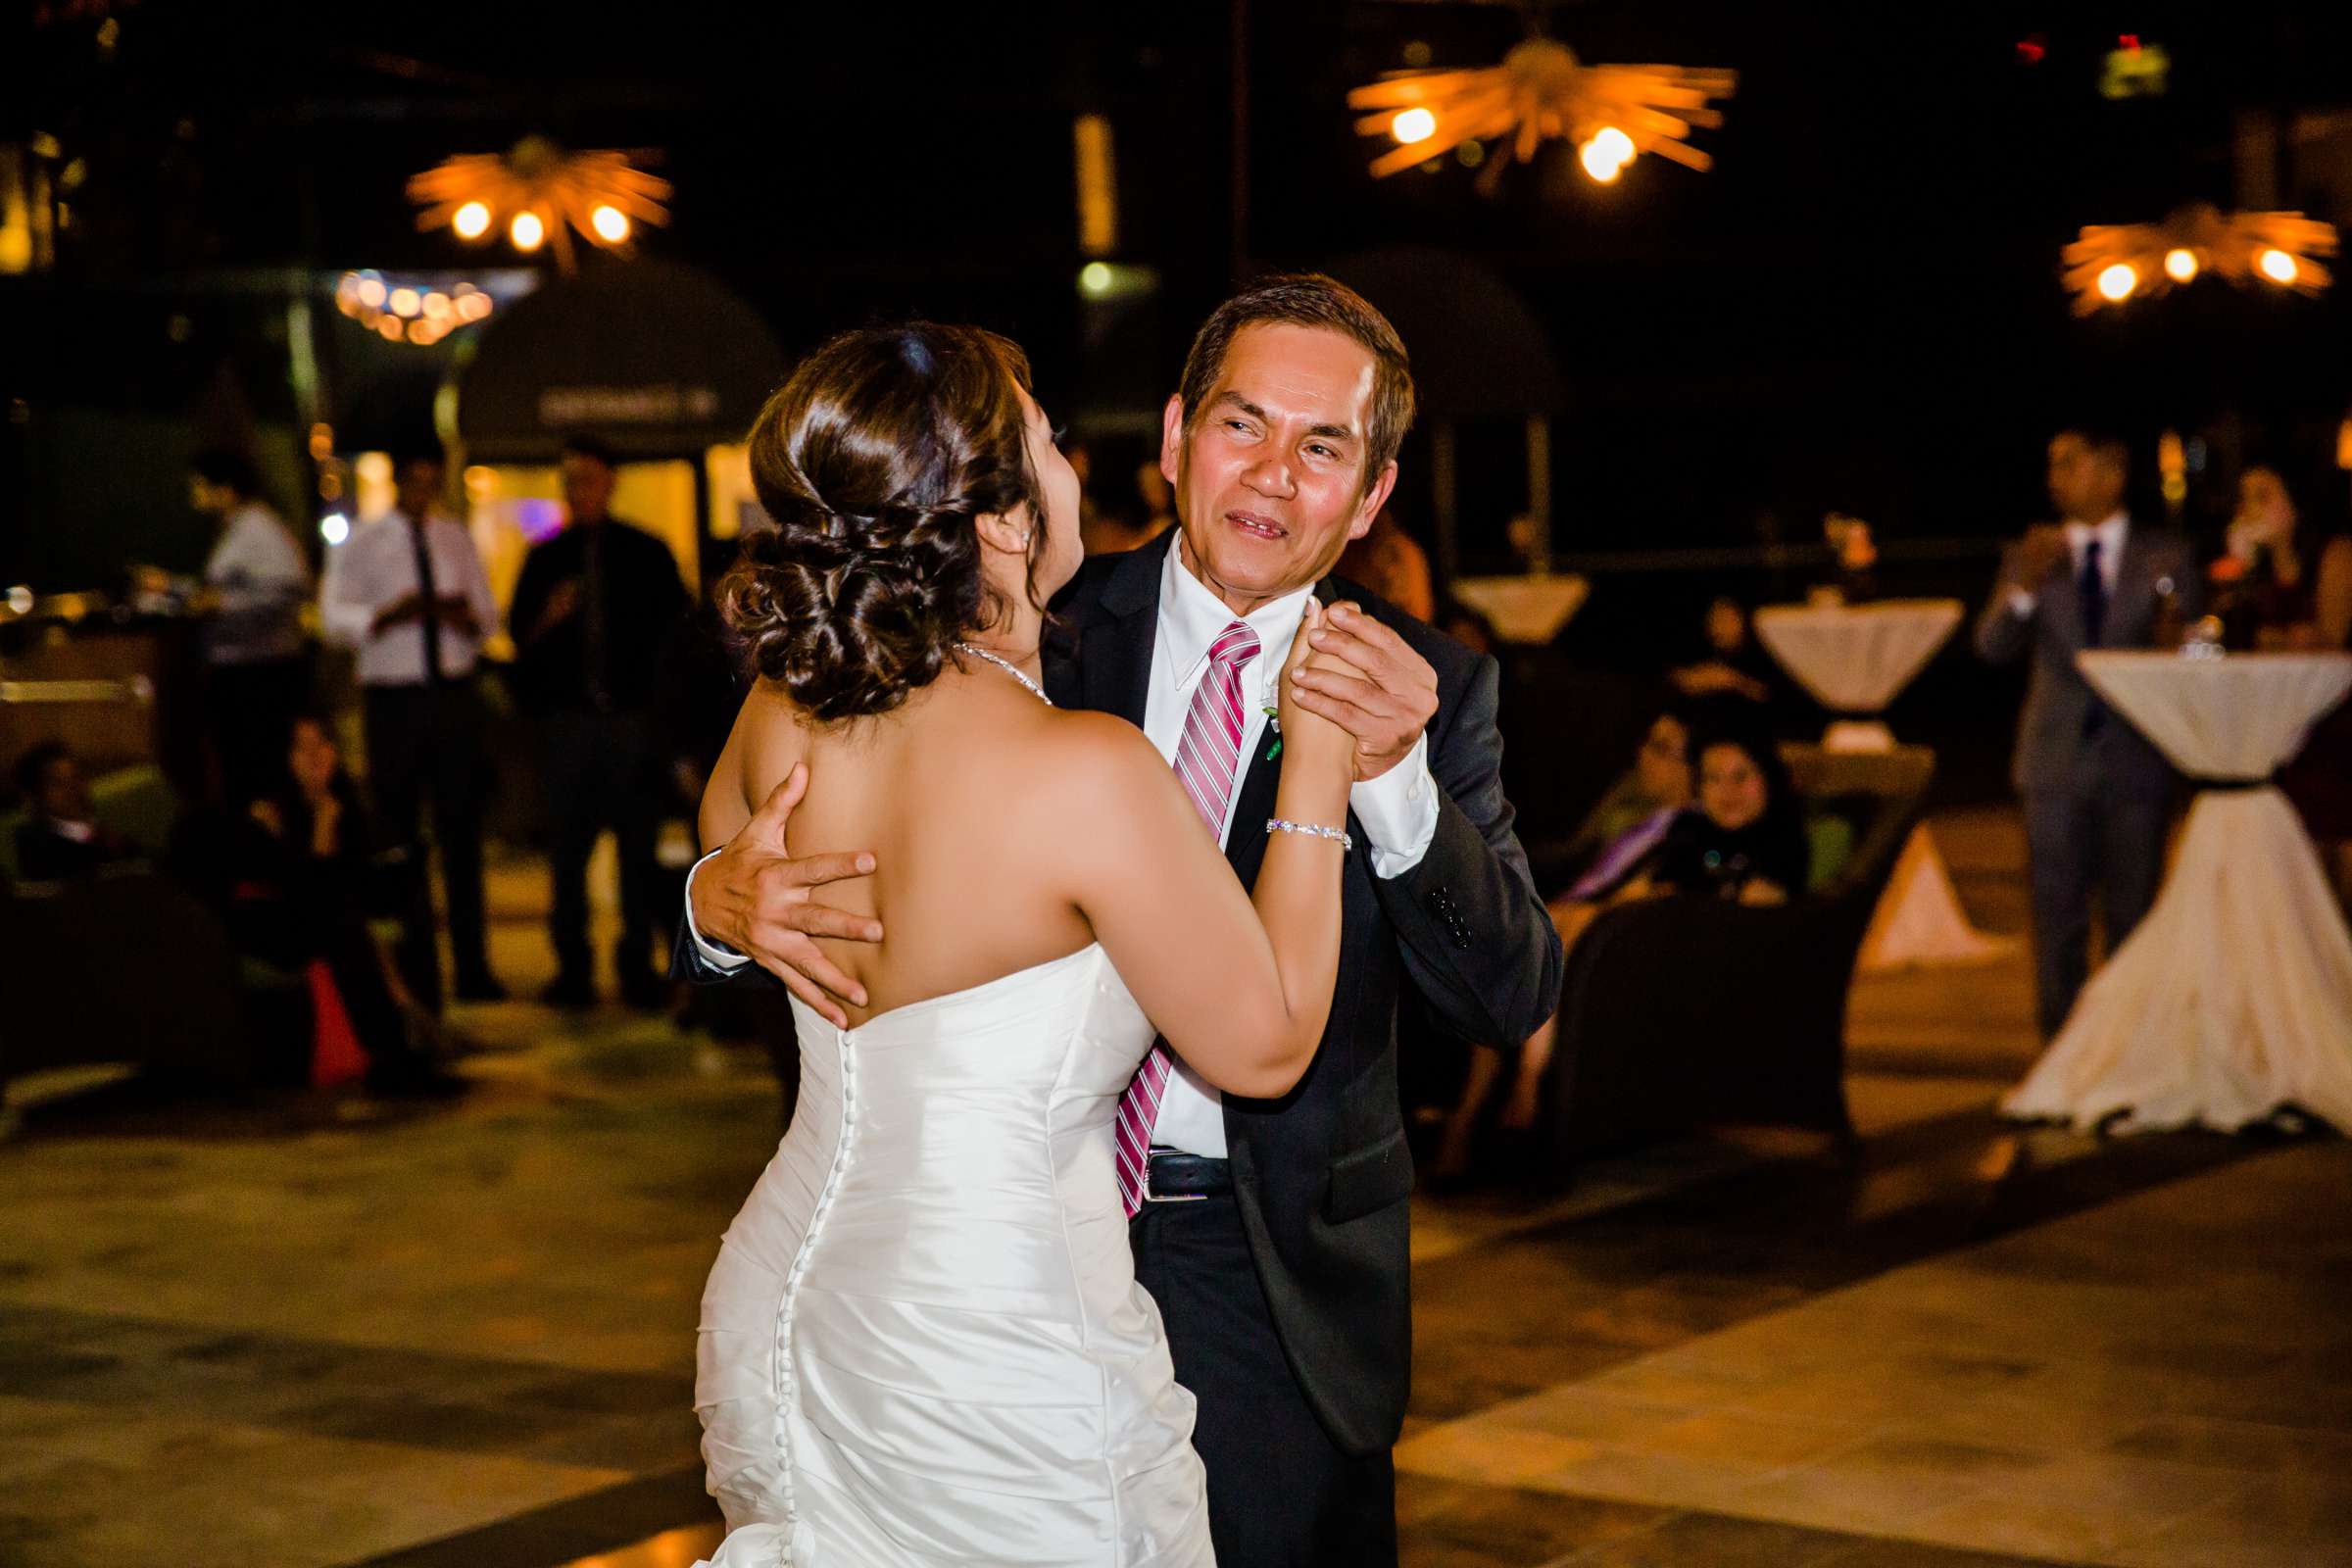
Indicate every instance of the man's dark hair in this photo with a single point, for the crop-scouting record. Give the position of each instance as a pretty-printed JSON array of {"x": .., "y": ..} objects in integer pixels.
[
  {"x": 1309, "y": 299},
  {"x": 588, "y": 443},
  {"x": 229, "y": 471},
  {"x": 2104, "y": 440},
  {"x": 34, "y": 761}
]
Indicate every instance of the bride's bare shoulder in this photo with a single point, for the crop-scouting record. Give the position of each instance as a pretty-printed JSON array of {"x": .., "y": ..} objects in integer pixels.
[
  {"x": 1098, "y": 765},
  {"x": 771, "y": 733}
]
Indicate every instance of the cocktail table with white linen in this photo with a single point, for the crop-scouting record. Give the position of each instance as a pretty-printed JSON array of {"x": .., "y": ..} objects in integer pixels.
[
  {"x": 2233, "y": 998},
  {"x": 1855, "y": 659}
]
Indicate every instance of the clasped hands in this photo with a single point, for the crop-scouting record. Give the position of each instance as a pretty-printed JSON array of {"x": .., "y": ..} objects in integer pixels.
[{"x": 756, "y": 897}]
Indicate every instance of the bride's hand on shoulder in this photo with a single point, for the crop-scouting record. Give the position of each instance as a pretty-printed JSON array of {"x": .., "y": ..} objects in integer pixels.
[{"x": 1310, "y": 739}]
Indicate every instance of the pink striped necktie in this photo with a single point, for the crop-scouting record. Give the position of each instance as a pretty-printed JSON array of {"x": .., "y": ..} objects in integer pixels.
[{"x": 1207, "y": 757}]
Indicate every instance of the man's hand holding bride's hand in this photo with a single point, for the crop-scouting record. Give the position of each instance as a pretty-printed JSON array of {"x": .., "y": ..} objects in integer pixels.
[
  {"x": 756, "y": 897},
  {"x": 1369, "y": 682},
  {"x": 1310, "y": 739}
]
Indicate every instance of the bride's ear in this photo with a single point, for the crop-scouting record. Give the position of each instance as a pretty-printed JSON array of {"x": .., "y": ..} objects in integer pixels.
[{"x": 1006, "y": 531}]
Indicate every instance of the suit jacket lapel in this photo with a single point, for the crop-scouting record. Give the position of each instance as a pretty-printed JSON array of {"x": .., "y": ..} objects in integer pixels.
[
  {"x": 1112, "y": 669},
  {"x": 2133, "y": 603}
]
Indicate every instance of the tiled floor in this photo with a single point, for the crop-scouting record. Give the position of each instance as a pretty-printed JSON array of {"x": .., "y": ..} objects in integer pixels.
[{"x": 311, "y": 1337}]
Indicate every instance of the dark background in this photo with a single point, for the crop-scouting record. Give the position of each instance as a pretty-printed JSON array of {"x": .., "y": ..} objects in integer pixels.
[{"x": 1858, "y": 309}]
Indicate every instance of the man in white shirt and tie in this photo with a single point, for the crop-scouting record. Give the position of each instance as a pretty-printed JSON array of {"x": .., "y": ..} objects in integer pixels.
[
  {"x": 408, "y": 592},
  {"x": 2097, "y": 795}
]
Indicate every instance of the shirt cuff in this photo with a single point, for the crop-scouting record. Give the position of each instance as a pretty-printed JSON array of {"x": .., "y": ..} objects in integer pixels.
[
  {"x": 716, "y": 954},
  {"x": 2021, "y": 603},
  {"x": 1399, "y": 813}
]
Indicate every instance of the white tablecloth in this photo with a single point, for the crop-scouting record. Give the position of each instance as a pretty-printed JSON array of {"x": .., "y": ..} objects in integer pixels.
[
  {"x": 1856, "y": 657},
  {"x": 2233, "y": 998},
  {"x": 1525, "y": 610}
]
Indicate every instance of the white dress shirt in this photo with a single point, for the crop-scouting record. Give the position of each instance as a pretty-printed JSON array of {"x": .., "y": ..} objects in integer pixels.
[
  {"x": 376, "y": 567},
  {"x": 1398, "y": 809},
  {"x": 2110, "y": 531},
  {"x": 258, "y": 574}
]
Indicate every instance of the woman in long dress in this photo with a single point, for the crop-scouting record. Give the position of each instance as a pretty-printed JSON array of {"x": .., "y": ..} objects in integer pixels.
[{"x": 922, "y": 1342}]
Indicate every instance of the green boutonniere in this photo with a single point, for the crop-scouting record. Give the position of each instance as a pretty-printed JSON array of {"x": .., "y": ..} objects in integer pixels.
[{"x": 1274, "y": 724}]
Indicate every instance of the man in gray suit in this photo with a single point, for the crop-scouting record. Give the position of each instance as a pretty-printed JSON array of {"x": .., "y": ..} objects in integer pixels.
[{"x": 2098, "y": 797}]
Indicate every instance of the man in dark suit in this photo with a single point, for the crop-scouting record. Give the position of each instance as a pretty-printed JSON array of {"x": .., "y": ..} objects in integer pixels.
[
  {"x": 592, "y": 609},
  {"x": 1273, "y": 1234},
  {"x": 2097, "y": 795}
]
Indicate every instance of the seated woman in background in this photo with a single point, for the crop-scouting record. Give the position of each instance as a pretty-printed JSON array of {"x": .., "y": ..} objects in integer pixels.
[
  {"x": 294, "y": 878},
  {"x": 1621, "y": 833},
  {"x": 1744, "y": 840}
]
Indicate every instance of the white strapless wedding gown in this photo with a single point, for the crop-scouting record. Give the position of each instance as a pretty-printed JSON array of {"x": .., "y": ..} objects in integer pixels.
[{"x": 922, "y": 1342}]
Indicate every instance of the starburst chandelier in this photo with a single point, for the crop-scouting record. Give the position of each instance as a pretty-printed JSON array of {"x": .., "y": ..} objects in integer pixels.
[
  {"x": 543, "y": 194},
  {"x": 2112, "y": 263},
  {"x": 1542, "y": 93}
]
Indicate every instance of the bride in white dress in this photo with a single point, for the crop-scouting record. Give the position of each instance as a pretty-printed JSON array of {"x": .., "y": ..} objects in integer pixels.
[{"x": 922, "y": 1342}]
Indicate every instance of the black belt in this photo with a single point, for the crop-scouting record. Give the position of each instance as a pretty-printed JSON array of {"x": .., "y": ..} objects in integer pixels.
[{"x": 1171, "y": 1176}]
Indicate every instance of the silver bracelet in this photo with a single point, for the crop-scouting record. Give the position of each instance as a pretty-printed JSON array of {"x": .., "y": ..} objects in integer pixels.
[{"x": 1275, "y": 825}]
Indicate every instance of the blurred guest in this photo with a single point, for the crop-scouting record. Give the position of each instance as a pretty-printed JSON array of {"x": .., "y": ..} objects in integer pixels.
[
  {"x": 2097, "y": 795},
  {"x": 1747, "y": 839},
  {"x": 61, "y": 839},
  {"x": 1388, "y": 560},
  {"x": 1742, "y": 839},
  {"x": 1158, "y": 500},
  {"x": 590, "y": 616},
  {"x": 2266, "y": 581},
  {"x": 1109, "y": 525},
  {"x": 1631, "y": 820},
  {"x": 255, "y": 583},
  {"x": 296, "y": 879},
  {"x": 2320, "y": 778},
  {"x": 409, "y": 593},
  {"x": 1729, "y": 659}
]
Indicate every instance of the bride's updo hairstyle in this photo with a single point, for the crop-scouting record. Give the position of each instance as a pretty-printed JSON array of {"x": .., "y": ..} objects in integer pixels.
[{"x": 875, "y": 459}]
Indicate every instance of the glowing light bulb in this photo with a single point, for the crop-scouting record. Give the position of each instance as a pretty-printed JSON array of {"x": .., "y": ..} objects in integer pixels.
[
  {"x": 1094, "y": 279},
  {"x": 472, "y": 221},
  {"x": 1613, "y": 144},
  {"x": 610, "y": 223},
  {"x": 334, "y": 527},
  {"x": 436, "y": 305},
  {"x": 2278, "y": 266},
  {"x": 407, "y": 302},
  {"x": 527, "y": 231},
  {"x": 1598, "y": 164},
  {"x": 2181, "y": 264},
  {"x": 1413, "y": 125},
  {"x": 372, "y": 293},
  {"x": 2118, "y": 281}
]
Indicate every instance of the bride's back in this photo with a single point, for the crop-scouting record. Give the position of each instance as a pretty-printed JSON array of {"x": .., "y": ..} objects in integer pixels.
[
  {"x": 920, "y": 508},
  {"x": 957, "y": 794}
]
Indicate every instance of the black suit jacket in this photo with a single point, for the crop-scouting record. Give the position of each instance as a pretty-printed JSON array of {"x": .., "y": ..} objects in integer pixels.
[{"x": 1323, "y": 1173}]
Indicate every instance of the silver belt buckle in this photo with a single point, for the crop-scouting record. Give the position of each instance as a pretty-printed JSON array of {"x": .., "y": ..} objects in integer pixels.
[{"x": 1150, "y": 1196}]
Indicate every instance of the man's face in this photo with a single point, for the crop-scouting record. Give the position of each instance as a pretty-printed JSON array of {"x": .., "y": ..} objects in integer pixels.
[
  {"x": 2087, "y": 485},
  {"x": 587, "y": 487},
  {"x": 419, "y": 486},
  {"x": 209, "y": 498},
  {"x": 1270, "y": 482}
]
